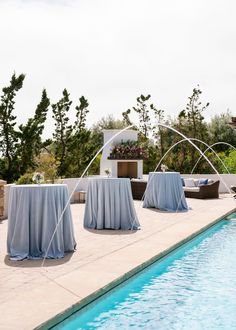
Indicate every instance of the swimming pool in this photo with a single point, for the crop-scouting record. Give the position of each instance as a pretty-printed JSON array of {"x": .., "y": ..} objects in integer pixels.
[{"x": 194, "y": 287}]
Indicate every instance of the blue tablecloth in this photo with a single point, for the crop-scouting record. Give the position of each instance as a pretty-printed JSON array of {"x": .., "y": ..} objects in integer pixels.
[
  {"x": 109, "y": 205},
  {"x": 33, "y": 213},
  {"x": 165, "y": 192}
]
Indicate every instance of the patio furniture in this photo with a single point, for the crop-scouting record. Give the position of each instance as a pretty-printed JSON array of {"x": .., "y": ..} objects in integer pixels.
[
  {"x": 138, "y": 187},
  {"x": 207, "y": 191},
  {"x": 165, "y": 192},
  {"x": 79, "y": 196},
  {"x": 233, "y": 188},
  {"x": 34, "y": 212},
  {"x": 109, "y": 204}
]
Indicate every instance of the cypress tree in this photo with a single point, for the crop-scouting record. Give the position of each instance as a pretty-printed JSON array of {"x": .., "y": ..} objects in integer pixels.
[
  {"x": 8, "y": 134},
  {"x": 63, "y": 131},
  {"x": 31, "y": 133}
]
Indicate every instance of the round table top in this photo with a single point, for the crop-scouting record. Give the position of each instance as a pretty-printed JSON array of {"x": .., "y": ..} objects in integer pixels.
[
  {"x": 164, "y": 172},
  {"x": 108, "y": 178},
  {"x": 40, "y": 185}
]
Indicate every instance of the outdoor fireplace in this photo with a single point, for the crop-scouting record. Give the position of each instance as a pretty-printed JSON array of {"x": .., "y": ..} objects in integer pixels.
[
  {"x": 127, "y": 169},
  {"x": 126, "y": 162}
]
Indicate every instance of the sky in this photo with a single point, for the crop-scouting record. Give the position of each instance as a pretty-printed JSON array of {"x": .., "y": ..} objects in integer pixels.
[{"x": 111, "y": 51}]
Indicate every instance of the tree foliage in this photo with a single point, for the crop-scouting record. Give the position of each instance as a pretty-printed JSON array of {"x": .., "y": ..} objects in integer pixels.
[
  {"x": 63, "y": 131},
  {"x": 46, "y": 163},
  {"x": 159, "y": 131},
  {"x": 190, "y": 122},
  {"x": 82, "y": 145},
  {"x": 229, "y": 161},
  {"x": 192, "y": 116},
  {"x": 108, "y": 122},
  {"x": 30, "y": 135},
  {"x": 8, "y": 134},
  {"x": 142, "y": 109},
  {"x": 73, "y": 145},
  {"x": 220, "y": 130}
]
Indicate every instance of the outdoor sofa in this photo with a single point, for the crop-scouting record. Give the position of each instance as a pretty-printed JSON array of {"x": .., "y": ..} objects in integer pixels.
[
  {"x": 194, "y": 190},
  {"x": 203, "y": 191}
]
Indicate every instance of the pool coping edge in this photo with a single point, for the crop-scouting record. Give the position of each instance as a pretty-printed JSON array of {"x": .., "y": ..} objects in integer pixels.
[{"x": 50, "y": 323}]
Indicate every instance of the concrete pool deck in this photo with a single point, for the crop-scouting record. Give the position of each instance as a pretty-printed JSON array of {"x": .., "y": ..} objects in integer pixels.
[{"x": 30, "y": 295}]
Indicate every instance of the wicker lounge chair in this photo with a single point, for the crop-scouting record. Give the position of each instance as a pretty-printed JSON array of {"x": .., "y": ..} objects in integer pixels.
[
  {"x": 138, "y": 188},
  {"x": 233, "y": 189},
  {"x": 210, "y": 190}
]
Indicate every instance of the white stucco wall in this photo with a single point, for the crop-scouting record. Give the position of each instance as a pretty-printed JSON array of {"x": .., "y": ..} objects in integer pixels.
[
  {"x": 76, "y": 184},
  {"x": 108, "y": 134}
]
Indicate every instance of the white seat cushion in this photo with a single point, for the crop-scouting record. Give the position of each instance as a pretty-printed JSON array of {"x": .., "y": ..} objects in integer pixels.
[
  {"x": 138, "y": 180},
  {"x": 196, "y": 182},
  {"x": 189, "y": 182},
  {"x": 193, "y": 189}
]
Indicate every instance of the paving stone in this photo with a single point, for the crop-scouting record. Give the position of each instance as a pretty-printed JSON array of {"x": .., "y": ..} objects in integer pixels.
[{"x": 101, "y": 257}]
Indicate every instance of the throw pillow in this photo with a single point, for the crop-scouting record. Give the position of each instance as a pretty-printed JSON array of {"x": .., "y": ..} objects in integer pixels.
[{"x": 202, "y": 182}]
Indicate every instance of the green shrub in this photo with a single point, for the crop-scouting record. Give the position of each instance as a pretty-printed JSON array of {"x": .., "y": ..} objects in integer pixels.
[
  {"x": 25, "y": 179},
  {"x": 46, "y": 164}
]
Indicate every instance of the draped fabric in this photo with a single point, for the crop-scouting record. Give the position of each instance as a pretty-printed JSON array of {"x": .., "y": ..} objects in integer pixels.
[
  {"x": 109, "y": 205},
  {"x": 33, "y": 214},
  {"x": 165, "y": 192}
]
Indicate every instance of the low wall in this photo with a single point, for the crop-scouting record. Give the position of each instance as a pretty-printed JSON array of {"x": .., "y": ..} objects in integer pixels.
[
  {"x": 226, "y": 180},
  {"x": 6, "y": 198},
  {"x": 76, "y": 184},
  {"x": 72, "y": 184}
]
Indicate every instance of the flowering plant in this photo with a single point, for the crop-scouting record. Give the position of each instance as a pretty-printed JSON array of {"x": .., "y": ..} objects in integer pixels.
[
  {"x": 38, "y": 177},
  {"x": 128, "y": 150},
  {"x": 108, "y": 171},
  {"x": 164, "y": 167}
]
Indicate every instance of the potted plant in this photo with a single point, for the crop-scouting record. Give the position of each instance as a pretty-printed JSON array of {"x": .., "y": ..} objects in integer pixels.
[{"x": 108, "y": 172}]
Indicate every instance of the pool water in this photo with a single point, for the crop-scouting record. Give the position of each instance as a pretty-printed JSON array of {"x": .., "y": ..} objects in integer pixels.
[{"x": 192, "y": 288}]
